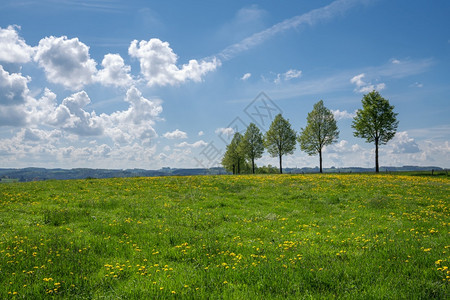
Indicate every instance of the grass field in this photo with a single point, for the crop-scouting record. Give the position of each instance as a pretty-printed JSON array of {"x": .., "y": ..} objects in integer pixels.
[{"x": 239, "y": 237}]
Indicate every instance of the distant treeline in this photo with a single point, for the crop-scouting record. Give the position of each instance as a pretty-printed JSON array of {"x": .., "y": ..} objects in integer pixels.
[{"x": 34, "y": 174}]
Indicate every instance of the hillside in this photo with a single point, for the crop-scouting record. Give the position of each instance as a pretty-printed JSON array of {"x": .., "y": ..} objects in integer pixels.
[{"x": 37, "y": 174}]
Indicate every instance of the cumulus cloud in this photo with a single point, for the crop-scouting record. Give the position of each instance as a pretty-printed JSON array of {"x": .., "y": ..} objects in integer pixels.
[
  {"x": 14, "y": 93},
  {"x": 71, "y": 116},
  {"x": 364, "y": 87},
  {"x": 402, "y": 143},
  {"x": 40, "y": 110},
  {"x": 66, "y": 61},
  {"x": 136, "y": 122},
  {"x": 125, "y": 135},
  {"x": 13, "y": 49},
  {"x": 84, "y": 156},
  {"x": 341, "y": 115},
  {"x": 140, "y": 110},
  {"x": 197, "y": 144},
  {"x": 403, "y": 150},
  {"x": 114, "y": 72},
  {"x": 339, "y": 147},
  {"x": 225, "y": 131},
  {"x": 177, "y": 134},
  {"x": 13, "y": 88},
  {"x": 35, "y": 135},
  {"x": 158, "y": 64},
  {"x": 200, "y": 133},
  {"x": 246, "y": 76}
]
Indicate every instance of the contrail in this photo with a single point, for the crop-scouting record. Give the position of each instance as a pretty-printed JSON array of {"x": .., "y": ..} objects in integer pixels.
[{"x": 320, "y": 14}]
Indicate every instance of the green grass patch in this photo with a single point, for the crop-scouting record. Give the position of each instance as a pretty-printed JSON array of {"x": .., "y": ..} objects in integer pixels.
[{"x": 233, "y": 237}]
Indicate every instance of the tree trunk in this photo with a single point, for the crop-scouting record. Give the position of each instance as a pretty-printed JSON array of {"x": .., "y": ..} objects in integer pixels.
[
  {"x": 253, "y": 165},
  {"x": 377, "y": 168},
  {"x": 234, "y": 169},
  {"x": 320, "y": 159},
  {"x": 281, "y": 165},
  {"x": 239, "y": 167}
]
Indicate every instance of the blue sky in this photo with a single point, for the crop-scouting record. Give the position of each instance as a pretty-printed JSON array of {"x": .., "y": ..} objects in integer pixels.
[{"x": 151, "y": 84}]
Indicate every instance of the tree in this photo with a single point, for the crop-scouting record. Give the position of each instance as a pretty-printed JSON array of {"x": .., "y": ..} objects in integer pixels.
[
  {"x": 279, "y": 140},
  {"x": 375, "y": 122},
  {"x": 234, "y": 158},
  {"x": 252, "y": 145},
  {"x": 321, "y": 130}
]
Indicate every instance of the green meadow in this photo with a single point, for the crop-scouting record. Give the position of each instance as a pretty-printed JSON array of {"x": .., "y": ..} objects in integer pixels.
[{"x": 227, "y": 237}]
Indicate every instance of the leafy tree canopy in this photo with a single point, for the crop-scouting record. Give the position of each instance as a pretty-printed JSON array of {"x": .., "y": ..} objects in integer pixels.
[
  {"x": 321, "y": 130},
  {"x": 376, "y": 121}
]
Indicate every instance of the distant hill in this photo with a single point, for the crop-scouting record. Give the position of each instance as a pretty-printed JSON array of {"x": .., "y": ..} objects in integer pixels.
[
  {"x": 362, "y": 170},
  {"x": 34, "y": 174}
]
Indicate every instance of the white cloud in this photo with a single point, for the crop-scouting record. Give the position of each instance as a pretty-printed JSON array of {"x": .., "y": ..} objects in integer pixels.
[
  {"x": 364, "y": 87},
  {"x": 402, "y": 143},
  {"x": 13, "y": 88},
  {"x": 66, "y": 61},
  {"x": 380, "y": 86},
  {"x": 41, "y": 110},
  {"x": 13, "y": 49},
  {"x": 121, "y": 138},
  {"x": 246, "y": 76},
  {"x": 197, "y": 144},
  {"x": 344, "y": 154},
  {"x": 71, "y": 116},
  {"x": 140, "y": 110},
  {"x": 35, "y": 135},
  {"x": 288, "y": 75},
  {"x": 158, "y": 64},
  {"x": 14, "y": 93},
  {"x": 339, "y": 147},
  {"x": 226, "y": 131},
  {"x": 135, "y": 123},
  {"x": 417, "y": 85},
  {"x": 358, "y": 80},
  {"x": 177, "y": 134},
  {"x": 403, "y": 150},
  {"x": 291, "y": 74},
  {"x": 395, "y": 61},
  {"x": 341, "y": 115},
  {"x": 123, "y": 127},
  {"x": 114, "y": 72},
  {"x": 200, "y": 133}
]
